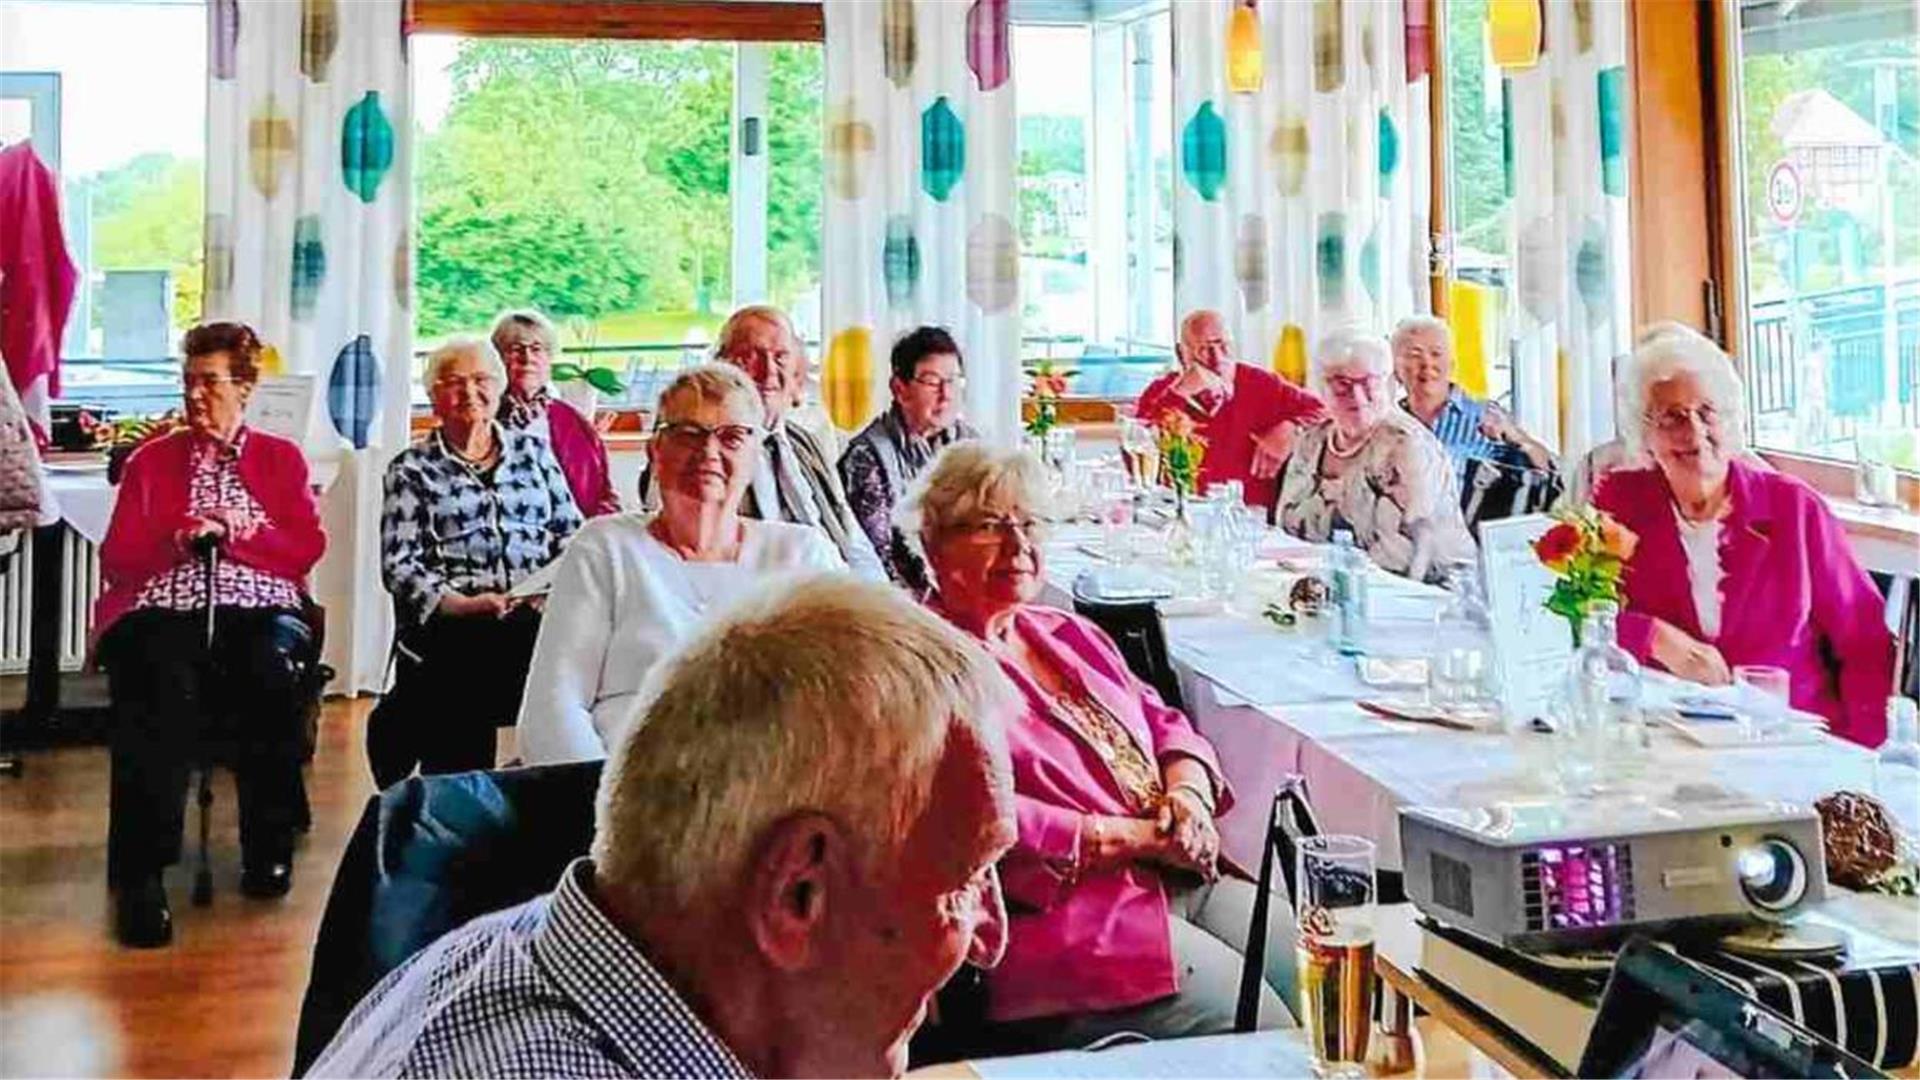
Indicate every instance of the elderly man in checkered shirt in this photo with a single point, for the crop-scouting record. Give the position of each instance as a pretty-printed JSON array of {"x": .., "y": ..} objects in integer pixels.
[{"x": 794, "y": 849}]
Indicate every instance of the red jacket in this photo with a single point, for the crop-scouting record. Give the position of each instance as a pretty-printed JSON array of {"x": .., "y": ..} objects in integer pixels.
[
  {"x": 1791, "y": 593},
  {"x": 1260, "y": 400},
  {"x": 583, "y": 457},
  {"x": 152, "y": 508},
  {"x": 36, "y": 280}
]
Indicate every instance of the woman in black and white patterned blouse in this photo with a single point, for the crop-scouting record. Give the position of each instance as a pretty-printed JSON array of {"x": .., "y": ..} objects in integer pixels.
[{"x": 470, "y": 512}]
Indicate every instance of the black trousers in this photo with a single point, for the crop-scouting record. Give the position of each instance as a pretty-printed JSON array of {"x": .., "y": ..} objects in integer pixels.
[
  {"x": 175, "y": 704},
  {"x": 455, "y": 680}
]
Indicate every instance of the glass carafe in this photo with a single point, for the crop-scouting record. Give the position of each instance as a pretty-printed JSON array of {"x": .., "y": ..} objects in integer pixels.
[
  {"x": 1459, "y": 666},
  {"x": 1606, "y": 739}
]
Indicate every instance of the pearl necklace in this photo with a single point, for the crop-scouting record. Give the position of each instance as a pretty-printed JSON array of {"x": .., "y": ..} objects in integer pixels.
[{"x": 1333, "y": 443}]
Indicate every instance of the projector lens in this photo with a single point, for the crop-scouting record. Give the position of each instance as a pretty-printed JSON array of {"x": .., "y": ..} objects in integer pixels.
[{"x": 1773, "y": 876}]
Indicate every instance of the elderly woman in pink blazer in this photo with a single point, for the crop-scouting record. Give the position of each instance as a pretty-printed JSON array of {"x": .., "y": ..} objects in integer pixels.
[
  {"x": 1736, "y": 564},
  {"x": 1119, "y": 918}
]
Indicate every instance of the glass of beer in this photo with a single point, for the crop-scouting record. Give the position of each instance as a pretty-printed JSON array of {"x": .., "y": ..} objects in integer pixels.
[{"x": 1335, "y": 909}]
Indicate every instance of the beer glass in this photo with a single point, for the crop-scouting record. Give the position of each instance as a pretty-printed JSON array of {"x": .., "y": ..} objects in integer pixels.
[{"x": 1335, "y": 908}]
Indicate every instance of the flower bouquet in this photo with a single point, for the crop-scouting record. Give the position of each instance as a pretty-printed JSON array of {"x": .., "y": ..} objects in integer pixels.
[
  {"x": 1049, "y": 386},
  {"x": 1181, "y": 451},
  {"x": 121, "y": 437},
  {"x": 1587, "y": 550}
]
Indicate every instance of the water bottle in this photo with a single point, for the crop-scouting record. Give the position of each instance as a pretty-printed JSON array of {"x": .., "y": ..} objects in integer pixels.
[
  {"x": 1458, "y": 667},
  {"x": 1348, "y": 585},
  {"x": 1896, "y": 770},
  {"x": 1606, "y": 691}
]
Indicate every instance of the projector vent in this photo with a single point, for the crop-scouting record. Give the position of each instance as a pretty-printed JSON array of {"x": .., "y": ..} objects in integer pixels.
[
  {"x": 1574, "y": 886},
  {"x": 1452, "y": 883}
]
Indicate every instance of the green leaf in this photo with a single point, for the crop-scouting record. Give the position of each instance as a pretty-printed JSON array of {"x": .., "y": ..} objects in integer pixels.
[
  {"x": 568, "y": 372},
  {"x": 605, "y": 381}
]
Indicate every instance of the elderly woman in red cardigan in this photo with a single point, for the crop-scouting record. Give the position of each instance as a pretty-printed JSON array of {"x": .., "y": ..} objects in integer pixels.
[
  {"x": 527, "y": 345},
  {"x": 1737, "y": 564},
  {"x": 217, "y": 483}
]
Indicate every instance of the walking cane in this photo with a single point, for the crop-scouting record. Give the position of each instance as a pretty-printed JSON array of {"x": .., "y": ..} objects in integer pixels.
[{"x": 209, "y": 549}]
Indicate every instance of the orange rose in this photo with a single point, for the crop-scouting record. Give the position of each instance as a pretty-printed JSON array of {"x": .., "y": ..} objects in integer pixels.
[
  {"x": 1558, "y": 547},
  {"x": 1616, "y": 539},
  {"x": 1176, "y": 424}
]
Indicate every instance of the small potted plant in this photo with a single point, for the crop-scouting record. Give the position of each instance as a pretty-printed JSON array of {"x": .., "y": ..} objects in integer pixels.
[
  {"x": 581, "y": 387},
  {"x": 121, "y": 437}
]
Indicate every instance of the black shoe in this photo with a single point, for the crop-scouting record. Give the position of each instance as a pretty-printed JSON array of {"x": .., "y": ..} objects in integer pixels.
[
  {"x": 267, "y": 880},
  {"x": 141, "y": 919}
]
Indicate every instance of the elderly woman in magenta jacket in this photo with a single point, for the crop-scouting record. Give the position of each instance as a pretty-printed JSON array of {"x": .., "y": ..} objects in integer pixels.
[
  {"x": 221, "y": 483},
  {"x": 1118, "y": 916},
  {"x": 527, "y": 345},
  {"x": 1736, "y": 564}
]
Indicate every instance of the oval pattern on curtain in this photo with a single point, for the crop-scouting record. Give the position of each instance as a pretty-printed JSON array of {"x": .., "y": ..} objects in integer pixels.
[
  {"x": 943, "y": 149},
  {"x": 366, "y": 147},
  {"x": 353, "y": 390}
]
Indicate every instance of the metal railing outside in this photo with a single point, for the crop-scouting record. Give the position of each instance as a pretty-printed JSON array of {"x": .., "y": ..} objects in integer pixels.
[{"x": 1847, "y": 327}]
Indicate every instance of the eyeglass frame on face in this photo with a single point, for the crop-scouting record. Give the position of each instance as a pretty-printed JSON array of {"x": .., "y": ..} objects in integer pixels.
[
  {"x": 998, "y": 530},
  {"x": 525, "y": 348},
  {"x": 208, "y": 380},
  {"x": 688, "y": 435},
  {"x": 1347, "y": 385},
  {"x": 1675, "y": 420},
  {"x": 449, "y": 381},
  {"x": 927, "y": 380}
]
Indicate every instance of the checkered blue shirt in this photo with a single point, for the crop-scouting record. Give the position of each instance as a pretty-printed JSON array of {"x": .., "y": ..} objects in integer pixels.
[
  {"x": 548, "y": 988},
  {"x": 447, "y": 526},
  {"x": 1458, "y": 429}
]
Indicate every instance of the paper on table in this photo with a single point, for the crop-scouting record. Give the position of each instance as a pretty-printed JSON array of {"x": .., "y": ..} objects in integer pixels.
[
  {"x": 1531, "y": 646},
  {"x": 1260, "y": 1053}
]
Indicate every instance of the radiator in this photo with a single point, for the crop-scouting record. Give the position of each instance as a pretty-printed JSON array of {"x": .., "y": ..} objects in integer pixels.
[{"x": 79, "y": 588}]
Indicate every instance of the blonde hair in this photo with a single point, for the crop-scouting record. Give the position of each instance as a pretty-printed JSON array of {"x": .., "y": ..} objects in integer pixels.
[
  {"x": 1667, "y": 351},
  {"x": 717, "y": 383},
  {"x": 457, "y": 346},
  {"x": 966, "y": 478},
  {"x": 825, "y": 695}
]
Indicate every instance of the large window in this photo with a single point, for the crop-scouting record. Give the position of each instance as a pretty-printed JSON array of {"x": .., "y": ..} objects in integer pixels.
[
  {"x": 1096, "y": 197},
  {"x": 120, "y": 116},
  {"x": 605, "y": 183},
  {"x": 1477, "y": 200},
  {"x": 1827, "y": 122}
]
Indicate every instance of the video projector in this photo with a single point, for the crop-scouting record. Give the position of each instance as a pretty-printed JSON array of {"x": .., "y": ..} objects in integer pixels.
[{"x": 1558, "y": 875}]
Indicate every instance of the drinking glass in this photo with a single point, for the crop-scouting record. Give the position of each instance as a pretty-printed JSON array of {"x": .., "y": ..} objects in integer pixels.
[
  {"x": 1335, "y": 945},
  {"x": 1141, "y": 452},
  {"x": 1766, "y": 695}
]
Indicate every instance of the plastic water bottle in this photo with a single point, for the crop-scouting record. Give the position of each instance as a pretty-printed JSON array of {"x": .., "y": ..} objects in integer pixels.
[
  {"x": 1348, "y": 585},
  {"x": 1896, "y": 770}
]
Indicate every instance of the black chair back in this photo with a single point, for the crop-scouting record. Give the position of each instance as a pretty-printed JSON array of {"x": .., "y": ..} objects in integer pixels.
[
  {"x": 1289, "y": 819},
  {"x": 1136, "y": 628},
  {"x": 1492, "y": 491},
  {"x": 429, "y": 854},
  {"x": 1902, "y": 592}
]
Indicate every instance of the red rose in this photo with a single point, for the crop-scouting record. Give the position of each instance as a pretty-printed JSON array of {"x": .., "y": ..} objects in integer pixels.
[{"x": 1557, "y": 547}]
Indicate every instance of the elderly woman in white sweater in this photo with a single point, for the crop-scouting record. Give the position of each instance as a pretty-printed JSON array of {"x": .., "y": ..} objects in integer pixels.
[{"x": 633, "y": 585}]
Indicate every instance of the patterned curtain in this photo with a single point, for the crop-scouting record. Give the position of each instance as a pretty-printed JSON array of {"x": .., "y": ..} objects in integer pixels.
[
  {"x": 1301, "y": 131},
  {"x": 1567, "y": 169},
  {"x": 309, "y": 197},
  {"x": 919, "y": 221}
]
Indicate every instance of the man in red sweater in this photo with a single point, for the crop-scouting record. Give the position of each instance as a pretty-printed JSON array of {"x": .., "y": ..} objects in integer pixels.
[{"x": 1248, "y": 415}]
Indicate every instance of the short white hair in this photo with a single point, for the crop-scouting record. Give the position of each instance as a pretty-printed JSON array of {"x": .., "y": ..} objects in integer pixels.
[
  {"x": 825, "y": 695},
  {"x": 527, "y": 319},
  {"x": 1668, "y": 351},
  {"x": 456, "y": 347},
  {"x": 966, "y": 479},
  {"x": 1414, "y": 324},
  {"x": 723, "y": 341},
  {"x": 1351, "y": 344}
]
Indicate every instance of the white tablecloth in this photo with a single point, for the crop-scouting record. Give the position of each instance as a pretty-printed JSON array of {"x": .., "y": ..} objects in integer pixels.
[
  {"x": 82, "y": 499},
  {"x": 1277, "y": 701}
]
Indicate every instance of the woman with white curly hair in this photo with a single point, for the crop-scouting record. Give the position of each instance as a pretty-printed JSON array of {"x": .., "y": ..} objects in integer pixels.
[
  {"x": 1371, "y": 468},
  {"x": 1714, "y": 527}
]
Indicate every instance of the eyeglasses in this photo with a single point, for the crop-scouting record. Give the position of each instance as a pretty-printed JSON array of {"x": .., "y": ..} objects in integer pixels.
[
  {"x": 691, "y": 436},
  {"x": 206, "y": 382},
  {"x": 1348, "y": 385},
  {"x": 525, "y": 348},
  {"x": 936, "y": 383},
  {"x": 461, "y": 382},
  {"x": 996, "y": 530},
  {"x": 1674, "y": 420}
]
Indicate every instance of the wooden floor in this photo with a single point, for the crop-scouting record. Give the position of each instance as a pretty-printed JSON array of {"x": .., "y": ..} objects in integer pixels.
[{"x": 223, "y": 1000}]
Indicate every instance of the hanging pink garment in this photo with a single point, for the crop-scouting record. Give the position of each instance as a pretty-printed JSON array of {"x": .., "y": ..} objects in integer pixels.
[{"x": 36, "y": 281}]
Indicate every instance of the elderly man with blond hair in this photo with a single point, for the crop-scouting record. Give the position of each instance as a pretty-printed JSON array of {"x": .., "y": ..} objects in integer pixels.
[
  {"x": 794, "y": 848},
  {"x": 795, "y": 479},
  {"x": 1467, "y": 426},
  {"x": 1248, "y": 415}
]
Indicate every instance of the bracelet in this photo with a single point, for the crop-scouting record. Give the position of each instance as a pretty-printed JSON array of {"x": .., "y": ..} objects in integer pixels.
[{"x": 1205, "y": 796}]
